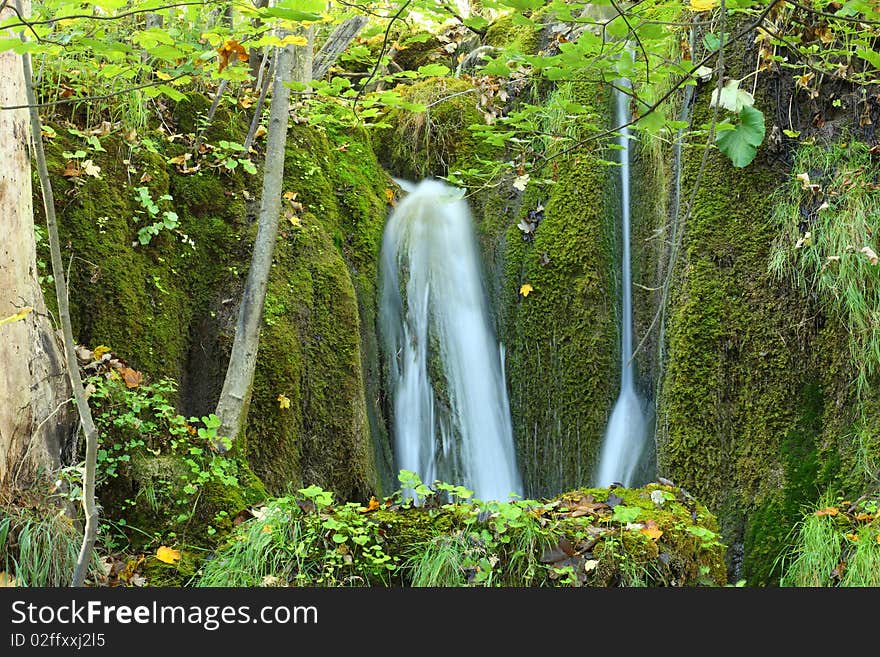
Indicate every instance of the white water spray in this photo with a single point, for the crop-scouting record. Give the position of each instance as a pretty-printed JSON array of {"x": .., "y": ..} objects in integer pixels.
[
  {"x": 625, "y": 435},
  {"x": 450, "y": 407}
]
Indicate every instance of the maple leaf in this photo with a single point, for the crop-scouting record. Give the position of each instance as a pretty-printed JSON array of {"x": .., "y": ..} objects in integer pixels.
[
  {"x": 230, "y": 52},
  {"x": 283, "y": 401},
  {"x": 526, "y": 289},
  {"x": 21, "y": 314},
  {"x": 99, "y": 351},
  {"x": 167, "y": 555}
]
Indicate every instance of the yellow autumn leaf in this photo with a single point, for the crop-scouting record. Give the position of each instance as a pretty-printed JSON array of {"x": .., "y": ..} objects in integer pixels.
[
  {"x": 162, "y": 75},
  {"x": 294, "y": 40},
  {"x": 21, "y": 314},
  {"x": 267, "y": 529},
  {"x": 526, "y": 289},
  {"x": 283, "y": 402},
  {"x": 99, "y": 351},
  {"x": 828, "y": 511},
  {"x": 261, "y": 132},
  {"x": 703, "y": 5},
  {"x": 8, "y": 581},
  {"x": 167, "y": 555},
  {"x": 389, "y": 197},
  {"x": 878, "y": 538}
]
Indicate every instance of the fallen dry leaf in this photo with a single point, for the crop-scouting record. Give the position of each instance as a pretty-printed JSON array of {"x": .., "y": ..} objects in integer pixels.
[
  {"x": 283, "y": 402},
  {"x": 131, "y": 377},
  {"x": 526, "y": 289},
  {"x": 21, "y": 314},
  {"x": 651, "y": 530},
  {"x": 828, "y": 511},
  {"x": 167, "y": 555},
  {"x": 372, "y": 505}
]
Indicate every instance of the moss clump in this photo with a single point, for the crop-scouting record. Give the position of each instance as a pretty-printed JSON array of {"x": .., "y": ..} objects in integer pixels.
[
  {"x": 516, "y": 34},
  {"x": 651, "y": 536},
  {"x": 437, "y": 140}
]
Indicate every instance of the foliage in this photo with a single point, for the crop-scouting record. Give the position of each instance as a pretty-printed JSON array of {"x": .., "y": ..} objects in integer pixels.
[
  {"x": 153, "y": 463},
  {"x": 440, "y": 536},
  {"x": 39, "y": 545},
  {"x": 827, "y": 242},
  {"x": 837, "y": 545}
]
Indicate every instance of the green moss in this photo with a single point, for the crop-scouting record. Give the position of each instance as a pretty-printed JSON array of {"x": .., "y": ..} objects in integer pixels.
[
  {"x": 436, "y": 141},
  {"x": 515, "y": 34},
  {"x": 561, "y": 339}
]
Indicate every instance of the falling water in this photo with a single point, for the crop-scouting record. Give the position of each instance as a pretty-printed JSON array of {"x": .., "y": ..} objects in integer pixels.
[
  {"x": 450, "y": 408},
  {"x": 624, "y": 437}
]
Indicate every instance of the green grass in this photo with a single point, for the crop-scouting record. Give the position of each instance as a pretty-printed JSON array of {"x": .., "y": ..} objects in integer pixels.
[
  {"x": 816, "y": 555},
  {"x": 840, "y": 217},
  {"x": 442, "y": 561},
  {"x": 38, "y": 547},
  {"x": 863, "y": 566}
]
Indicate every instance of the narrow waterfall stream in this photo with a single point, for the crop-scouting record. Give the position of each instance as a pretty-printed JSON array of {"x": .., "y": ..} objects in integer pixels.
[
  {"x": 627, "y": 428},
  {"x": 451, "y": 419}
]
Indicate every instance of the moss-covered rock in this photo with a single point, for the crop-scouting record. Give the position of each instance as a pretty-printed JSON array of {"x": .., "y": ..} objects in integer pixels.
[
  {"x": 437, "y": 140},
  {"x": 651, "y": 536}
]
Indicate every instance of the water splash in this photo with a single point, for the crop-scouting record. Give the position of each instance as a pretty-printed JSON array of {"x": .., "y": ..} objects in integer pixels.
[
  {"x": 627, "y": 428},
  {"x": 451, "y": 419}
]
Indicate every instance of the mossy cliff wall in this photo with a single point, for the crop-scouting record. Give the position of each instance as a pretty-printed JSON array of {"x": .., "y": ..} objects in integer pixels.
[
  {"x": 168, "y": 308},
  {"x": 756, "y": 406}
]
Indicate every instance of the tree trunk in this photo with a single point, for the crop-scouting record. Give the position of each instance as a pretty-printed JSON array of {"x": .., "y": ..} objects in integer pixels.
[
  {"x": 232, "y": 408},
  {"x": 336, "y": 44},
  {"x": 35, "y": 420}
]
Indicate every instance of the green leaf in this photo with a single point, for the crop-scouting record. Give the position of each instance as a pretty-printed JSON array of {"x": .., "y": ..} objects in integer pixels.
[
  {"x": 711, "y": 41},
  {"x": 523, "y": 4},
  {"x": 291, "y": 14},
  {"x": 624, "y": 514},
  {"x": 433, "y": 70},
  {"x": 741, "y": 143},
  {"x": 870, "y": 56}
]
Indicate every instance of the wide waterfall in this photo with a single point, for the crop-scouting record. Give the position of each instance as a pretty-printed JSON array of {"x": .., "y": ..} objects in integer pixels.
[
  {"x": 451, "y": 419},
  {"x": 626, "y": 432}
]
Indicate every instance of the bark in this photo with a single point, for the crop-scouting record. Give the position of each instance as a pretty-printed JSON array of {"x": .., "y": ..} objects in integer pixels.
[
  {"x": 85, "y": 414},
  {"x": 232, "y": 407},
  {"x": 336, "y": 44},
  {"x": 34, "y": 415}
]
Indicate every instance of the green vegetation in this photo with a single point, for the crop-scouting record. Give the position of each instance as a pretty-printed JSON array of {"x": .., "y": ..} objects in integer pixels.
[{"x": 587, "y": 537}]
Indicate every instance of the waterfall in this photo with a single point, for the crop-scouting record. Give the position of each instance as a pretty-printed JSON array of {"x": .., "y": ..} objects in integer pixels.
[
  {"x": 451, "y": 419},
  {"x": 625, "y": 435}
]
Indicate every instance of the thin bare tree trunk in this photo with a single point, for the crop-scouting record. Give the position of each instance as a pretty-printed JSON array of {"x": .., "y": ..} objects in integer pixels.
[
  {"x": 79, "y": 394},
  {"x": 34, "y": 415},
  {"x": 232, "y": 407},
  {"x": 336, "y": 44}
]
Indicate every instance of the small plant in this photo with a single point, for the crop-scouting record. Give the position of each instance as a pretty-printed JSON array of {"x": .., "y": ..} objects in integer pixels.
[
  {"x": 229, "y": 155},
  {"x": 169, "y": 219}
]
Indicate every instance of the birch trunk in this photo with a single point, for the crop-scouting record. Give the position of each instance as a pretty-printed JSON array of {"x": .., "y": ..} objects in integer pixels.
[{"x": 35, "y": 420}]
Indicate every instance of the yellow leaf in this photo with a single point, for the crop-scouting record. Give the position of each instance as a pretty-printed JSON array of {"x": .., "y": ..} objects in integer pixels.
[
  {"x": 878, "y": 538},
  {"x": 99, "y": 351},
  {"x": 389, "y": 196},
  {"x": 651, "y": 530},
  {"x": 162, "y": 75},
  {"x": 7, "y": 580},
  {"x": 828, "y": 511},
  {"x": 167, "y": 555},
  {"x": 526, "y": 289},
  {"x": 294, "y": 40},
  {"x": 703, "y": 5},
  {"x": 372, "y": 506},
  {"x": 288, "y": 196},
  {"x": 21, "y": 314},
  {"x": 267, "y": 529},
  {"x": 283, "y": 402},
  {"x": 261, "y": 132}
]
